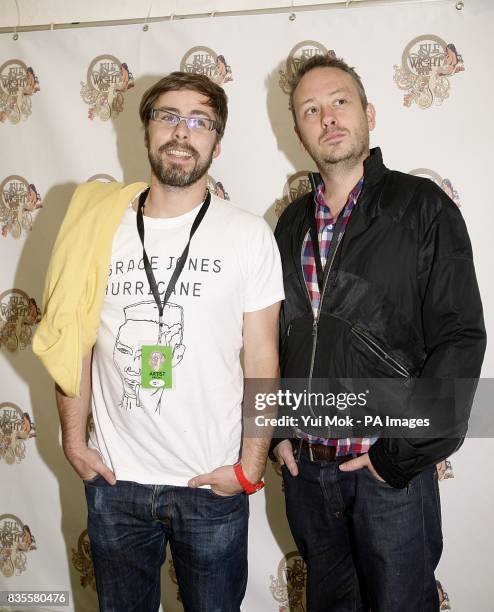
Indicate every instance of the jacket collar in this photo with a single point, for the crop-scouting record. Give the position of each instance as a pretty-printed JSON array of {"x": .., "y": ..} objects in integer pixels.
[{"x": 374, "y": 170}]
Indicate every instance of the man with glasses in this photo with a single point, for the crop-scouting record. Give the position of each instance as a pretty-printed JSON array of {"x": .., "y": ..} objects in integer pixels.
[{"x": 153, "y": 347}]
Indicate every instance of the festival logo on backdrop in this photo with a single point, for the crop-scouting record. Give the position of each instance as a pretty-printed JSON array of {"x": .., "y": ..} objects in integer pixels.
[
  {"x": 444, "y": 603},
  {"x": 16, "y": 540},
  {"x": 203, "y": 60},
  {"x": 217, "y": 188},
  {"x": 18, "y": 83},
  {"x": 427, "y": 64},
  {"x": 107, "y": 80},
  {"x": 444, "y": 183},
  {"x": 16, "y": 426},
  {"x": 102, "y": 178},
  {"x": 297, "y": 185},
  {"x": 19, "y": 313},
  {"x": 288, "y": 587},
  {"x": 297, "y": 56},
  {"x": 444, "y": 470},
  {"x": 18, "y": 201},
  {"x": 83, "y": 561}
]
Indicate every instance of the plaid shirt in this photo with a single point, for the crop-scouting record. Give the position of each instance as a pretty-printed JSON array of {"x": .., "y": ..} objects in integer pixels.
[{"x": 325, "y": 232}]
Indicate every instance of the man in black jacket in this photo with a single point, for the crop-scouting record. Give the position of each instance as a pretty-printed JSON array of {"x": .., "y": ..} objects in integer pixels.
[{"x": 379, "y": 284}]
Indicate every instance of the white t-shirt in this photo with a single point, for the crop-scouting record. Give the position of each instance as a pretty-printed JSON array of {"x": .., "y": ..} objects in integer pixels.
[{"x": 167, "y": 436}]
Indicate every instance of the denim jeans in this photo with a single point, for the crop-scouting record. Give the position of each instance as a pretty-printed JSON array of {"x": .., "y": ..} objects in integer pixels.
[
  {"x": 367, "y": 546},
  {"x": 129, "y": 526}
]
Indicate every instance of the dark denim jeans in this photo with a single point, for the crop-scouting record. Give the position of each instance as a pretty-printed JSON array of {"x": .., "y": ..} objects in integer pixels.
[
  {"x": 367, "y": 546},
  {"x": 129, "y": 525}
]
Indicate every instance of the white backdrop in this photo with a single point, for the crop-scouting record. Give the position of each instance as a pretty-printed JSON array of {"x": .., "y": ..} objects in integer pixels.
[{"x": 49, "y": 145}]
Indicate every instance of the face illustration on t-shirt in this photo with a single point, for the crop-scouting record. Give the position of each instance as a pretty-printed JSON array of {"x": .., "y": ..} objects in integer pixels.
[
  {"x": 167, "y": 402},
  {"x": 141, "y": 327}
]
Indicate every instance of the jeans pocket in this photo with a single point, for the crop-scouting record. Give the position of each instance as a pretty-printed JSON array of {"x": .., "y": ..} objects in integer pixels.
[
  {"x": 92, "y": 479},
  {"x": 218, "y": 496},
  {"x": 370, "y": 475}
]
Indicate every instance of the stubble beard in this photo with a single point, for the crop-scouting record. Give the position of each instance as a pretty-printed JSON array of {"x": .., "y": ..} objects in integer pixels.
[
  {"x": 174, "y": 175},
  {"x": 344, "y": 160}
]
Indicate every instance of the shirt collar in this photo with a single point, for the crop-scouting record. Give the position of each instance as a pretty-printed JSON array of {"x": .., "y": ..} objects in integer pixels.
[{"x": 353, "y": 196}]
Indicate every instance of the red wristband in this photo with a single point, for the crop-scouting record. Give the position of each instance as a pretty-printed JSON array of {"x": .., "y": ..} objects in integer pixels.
[{"x": 247, "y": 486}]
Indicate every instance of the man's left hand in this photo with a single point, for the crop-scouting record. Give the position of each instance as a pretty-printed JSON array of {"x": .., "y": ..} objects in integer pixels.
[
  {"x": 222, "y": 481},
  {"x": 358, "y": 463}
]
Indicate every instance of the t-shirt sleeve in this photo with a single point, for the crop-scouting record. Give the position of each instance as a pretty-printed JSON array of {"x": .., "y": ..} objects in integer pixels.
[{"x": 264, "y": 283}]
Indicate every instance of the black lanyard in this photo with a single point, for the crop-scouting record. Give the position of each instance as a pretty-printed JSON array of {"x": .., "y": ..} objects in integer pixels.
[{"x": 180, "y": 263}]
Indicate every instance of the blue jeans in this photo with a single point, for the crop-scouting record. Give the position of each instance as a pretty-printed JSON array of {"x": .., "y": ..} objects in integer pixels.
[
  {"x": 367, "y": 546},
  {"x": 129, "y": 526}
]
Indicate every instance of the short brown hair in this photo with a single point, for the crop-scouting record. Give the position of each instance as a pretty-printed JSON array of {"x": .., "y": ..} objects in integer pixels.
[
  {"x": 325, "y": 61},
  {"x": 175, "y": 81}
]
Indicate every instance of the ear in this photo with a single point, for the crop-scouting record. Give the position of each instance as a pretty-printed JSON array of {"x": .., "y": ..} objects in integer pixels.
[
  {"x": 146, "y": 139},
  {"x": 217, "y": 149},
  {"x": 371, "y": 116}
]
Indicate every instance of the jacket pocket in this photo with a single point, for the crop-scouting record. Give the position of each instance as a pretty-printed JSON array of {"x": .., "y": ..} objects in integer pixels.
[
  {"x": 295, "y": 348},
  {"x": 391, "y": 365}
]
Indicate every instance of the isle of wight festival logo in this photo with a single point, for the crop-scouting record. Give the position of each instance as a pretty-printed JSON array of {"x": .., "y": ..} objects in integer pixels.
[
  {"x": 203, "y": 60},
  {"x": 18, "y": 83},
  {"x": 444, "y": 470},
  {"x": 444, "y": 602},
  {"x": 19, "y": 313},
  {"x": 427, "y": 64},
  {"x": 18, "y": 200},
  {"x": 297, "y": 185},
  {"x": 297, "y": 56},
  {"x": 217, "y": 188},
  {"x": 288, "y": 587},
  {"x": 106, "y": 81},
  {"x": 16, "y": 427},
  {"x": 16, "y": 540},
  {"x": 444, "y": 183},
  {"x": 82, "y": 561}
]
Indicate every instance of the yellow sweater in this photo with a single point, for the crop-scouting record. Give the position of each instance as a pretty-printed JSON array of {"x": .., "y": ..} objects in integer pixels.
[{"x": 77, "y": 277}]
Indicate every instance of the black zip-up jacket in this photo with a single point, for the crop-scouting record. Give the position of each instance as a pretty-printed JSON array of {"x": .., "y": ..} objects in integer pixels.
[{"x": 400, "y": 298}]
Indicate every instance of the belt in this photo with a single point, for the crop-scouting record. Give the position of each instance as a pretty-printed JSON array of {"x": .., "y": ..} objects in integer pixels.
[{"x": 321, "y": 452}]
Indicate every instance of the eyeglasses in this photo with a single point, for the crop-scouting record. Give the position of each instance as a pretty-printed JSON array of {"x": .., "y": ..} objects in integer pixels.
[{"x": 198, "y": 124}]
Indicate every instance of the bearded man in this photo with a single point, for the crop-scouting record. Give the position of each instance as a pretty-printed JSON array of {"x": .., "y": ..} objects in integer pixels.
[{"x": 165, "y": 461}]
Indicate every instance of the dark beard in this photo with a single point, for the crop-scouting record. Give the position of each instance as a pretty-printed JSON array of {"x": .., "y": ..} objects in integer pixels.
[
  {"x": 174, "y": 175},
  {"x": 348, "y": 160},
  {"x": 345, "y": 160}
]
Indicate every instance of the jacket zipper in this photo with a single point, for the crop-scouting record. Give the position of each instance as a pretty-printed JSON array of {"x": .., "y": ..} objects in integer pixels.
[
  {"x": 381, "y": 354},
  {"x": 307, "y": 293},
  {"x": 316, "y": 319}
]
